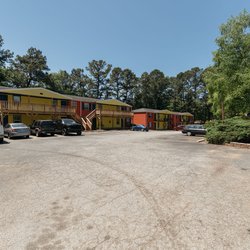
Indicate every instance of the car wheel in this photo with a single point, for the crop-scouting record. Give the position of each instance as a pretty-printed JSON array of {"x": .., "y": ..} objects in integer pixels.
[
  {"x": 52, "y": 134},
  {"x": 64, "y": 132},
  {"x": 27, "y": 136},
  {"x": 1, "y": 140},
  {"x": 37, "y": 133},
  {"x": 189, "y": 133},
  {"x": 79, "y": 133}
]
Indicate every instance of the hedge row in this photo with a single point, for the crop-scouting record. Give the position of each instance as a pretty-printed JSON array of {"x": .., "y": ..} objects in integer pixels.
[{"x": 235, "y": 129}]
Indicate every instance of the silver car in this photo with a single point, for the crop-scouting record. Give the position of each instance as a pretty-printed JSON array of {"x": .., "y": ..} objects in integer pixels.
[{"x": 16, "y": 130}]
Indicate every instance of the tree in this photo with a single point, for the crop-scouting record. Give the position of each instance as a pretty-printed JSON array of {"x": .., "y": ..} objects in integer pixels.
[
  {"x": 60, "y": 82},
  {"x": 229, "y": 78},
  {"x": 5, "y": 57},
  {"x": 189, "y": 93},
  {"x": 116, "y": 82},
  {"x": 154, "y": 90},
  {"x": 129, "y": 80},
  {"x": 98, "y": 74},
  {"x": 30, "y": 69},
  {"x": 79, "y": 82}
]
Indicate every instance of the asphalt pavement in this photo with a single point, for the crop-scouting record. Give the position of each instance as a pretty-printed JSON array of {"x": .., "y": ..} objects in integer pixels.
[{"x": 123, "y": 190}]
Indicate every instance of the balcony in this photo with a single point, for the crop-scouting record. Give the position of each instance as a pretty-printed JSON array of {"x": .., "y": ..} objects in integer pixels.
[
  {"x": 113, "y": 113},
  {"x": 17, "y": 108}
]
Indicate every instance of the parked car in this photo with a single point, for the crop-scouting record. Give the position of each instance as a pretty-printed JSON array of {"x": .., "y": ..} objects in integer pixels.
[
  {"x": 16, "y": 130},
  {"x": 43, "y": 127},
  {"x": 139, "y": 127},
  {"x": 1, "y": 133},
  {"x": 66, "y": 126},
  {"x": 194, "y": 129},
  {"x": 180, "y": 127}
]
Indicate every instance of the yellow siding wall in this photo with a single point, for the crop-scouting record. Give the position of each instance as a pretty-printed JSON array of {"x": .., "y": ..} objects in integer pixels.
[
  {"x": 161, "y": 121},
  {"x": 109, "y": 123},
  {"x": 10, "y": 99},
  {"x": 28, "y": 119},
  {"x": 43, "y": 101},
  {"x": 34, "y": 100},
  {"x": 25, "y": 100},
  {"x": 108, "y": 107}
]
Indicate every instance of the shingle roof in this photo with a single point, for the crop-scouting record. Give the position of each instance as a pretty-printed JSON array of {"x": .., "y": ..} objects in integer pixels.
[
  {"x": 38, "y": 92},
  {"x": 113, "y": 102},
  {"x": 82, "y": 98},
  {"x": 156, "y": 111}
]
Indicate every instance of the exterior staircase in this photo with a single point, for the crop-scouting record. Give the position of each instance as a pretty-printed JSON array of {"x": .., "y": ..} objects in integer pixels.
[
  {"x": 89, "y": 118},
  {"x": 87, "y": 121}
]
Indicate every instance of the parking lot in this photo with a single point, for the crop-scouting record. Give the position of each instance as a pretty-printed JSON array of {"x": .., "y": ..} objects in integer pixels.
[{"x": 123, "y": 190}]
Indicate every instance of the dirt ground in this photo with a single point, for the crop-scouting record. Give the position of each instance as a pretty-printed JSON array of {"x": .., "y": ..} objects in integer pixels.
[{"x": 123, "y": 190}]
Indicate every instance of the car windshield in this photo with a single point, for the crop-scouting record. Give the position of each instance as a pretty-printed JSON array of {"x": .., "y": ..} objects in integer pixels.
[
  {"x": 18, "y": 125},
  {"x": 68, "y": 121},
  {"x": 47, "y": 123}
]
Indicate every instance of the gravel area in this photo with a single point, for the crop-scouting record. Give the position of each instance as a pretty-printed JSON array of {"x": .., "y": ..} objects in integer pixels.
[{"x": 123, "y": 190}]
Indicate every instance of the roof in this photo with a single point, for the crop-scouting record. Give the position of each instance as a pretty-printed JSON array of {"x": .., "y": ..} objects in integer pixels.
[
  {"x": 3, "y": 87},
  {"x": 187, "y": 114},
  {"x": 113, "y": 102},
  {"x": 156, "y": 111},
  {"x": 182, "y": 113},
  {"x": 82, "y": 98},
  {"x": 37, "y": 92}
]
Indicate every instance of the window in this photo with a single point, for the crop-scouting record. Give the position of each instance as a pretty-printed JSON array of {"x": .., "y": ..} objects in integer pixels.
[
  {"x": 17, "y": 98},
  {"x": 85, "y": 106},
  {"x": 17, "y": 118},
  {"x": 63, "y": 103},
  {"x": 54, "y": 102},
  {"x": 92, "y": 106},
  {"x": 74, "y": 104},
  {"x": 150, "y": 115},
  {"x": 3, "y": 98}
]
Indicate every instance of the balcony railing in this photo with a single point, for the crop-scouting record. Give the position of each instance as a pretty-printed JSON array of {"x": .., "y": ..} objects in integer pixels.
[
  {"x": 113, "y": 113},
  {"x": 6, "y": 107}
]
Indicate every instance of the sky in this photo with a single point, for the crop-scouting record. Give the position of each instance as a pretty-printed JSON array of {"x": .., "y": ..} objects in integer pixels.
[{"x": 142, "y": 35}]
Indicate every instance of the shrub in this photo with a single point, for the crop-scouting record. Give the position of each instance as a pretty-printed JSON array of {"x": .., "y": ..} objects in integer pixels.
[{"x": 235, "y": 129}]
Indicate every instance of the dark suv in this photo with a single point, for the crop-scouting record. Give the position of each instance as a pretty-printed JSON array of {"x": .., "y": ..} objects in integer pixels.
[
  {"x": 42, "y": 127},
  {"x": 66, "y": 126},
  {"x": 194, "y": 129}
]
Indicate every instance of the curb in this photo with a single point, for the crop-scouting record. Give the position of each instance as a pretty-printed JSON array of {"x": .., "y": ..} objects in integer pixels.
[{"x": 239, "y": 145}]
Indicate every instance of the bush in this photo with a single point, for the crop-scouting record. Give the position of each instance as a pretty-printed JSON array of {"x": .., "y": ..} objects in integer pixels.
[{"x": 235, "y": 129}]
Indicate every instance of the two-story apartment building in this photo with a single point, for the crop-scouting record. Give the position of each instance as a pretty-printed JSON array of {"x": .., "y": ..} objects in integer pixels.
[
  {"x": 113, "y": 114},
  {"x": 160, "y": 119},
  {"x": 28, "y": 104},
  {"x": 151, "y": 118}
]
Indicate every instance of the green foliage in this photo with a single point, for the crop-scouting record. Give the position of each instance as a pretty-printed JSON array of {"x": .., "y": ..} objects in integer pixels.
[
  {"x": 116, "y": 82},
  {"x": 188, "y": 92},
  {"x": 129, "y": 80},
  {"x": 5, "y": 55},
  {"x": 154, "y": 90},
  {"x": 99, "y": 84},
  {"x": 229, "y": 79},
  {"x": 29, "y": 70},
  {"x": 74, "y": 83},
  {"x": 235, "y": 129}
]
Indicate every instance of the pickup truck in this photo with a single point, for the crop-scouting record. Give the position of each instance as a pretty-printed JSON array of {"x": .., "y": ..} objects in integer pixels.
[{"x": 67, "y": 126}]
